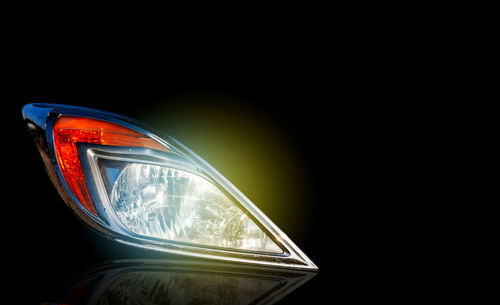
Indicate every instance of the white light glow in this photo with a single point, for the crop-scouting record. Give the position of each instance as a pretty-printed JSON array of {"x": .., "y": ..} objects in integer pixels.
[{"x": 177, "y": 205}]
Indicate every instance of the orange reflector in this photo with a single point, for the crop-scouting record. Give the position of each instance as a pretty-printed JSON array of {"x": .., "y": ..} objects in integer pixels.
[{"x": 69, "y": 130}]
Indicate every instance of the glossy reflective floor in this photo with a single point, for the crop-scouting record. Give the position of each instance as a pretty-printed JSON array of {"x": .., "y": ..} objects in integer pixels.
[{"x": 178, "y": 282}]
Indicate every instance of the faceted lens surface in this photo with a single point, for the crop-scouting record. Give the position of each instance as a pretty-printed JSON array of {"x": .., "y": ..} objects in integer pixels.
[{"x": 173, "y": 204}]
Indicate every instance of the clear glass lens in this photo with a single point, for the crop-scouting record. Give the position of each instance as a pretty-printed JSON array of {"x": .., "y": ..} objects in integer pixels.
[{"x": 177, "y": 205}]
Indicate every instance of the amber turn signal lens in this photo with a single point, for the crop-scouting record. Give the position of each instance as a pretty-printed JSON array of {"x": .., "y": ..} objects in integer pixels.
[{"x": 70, "y": 130}]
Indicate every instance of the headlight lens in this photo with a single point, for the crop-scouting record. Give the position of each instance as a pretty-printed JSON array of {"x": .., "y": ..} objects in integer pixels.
[{"x": 173, "y": 204}]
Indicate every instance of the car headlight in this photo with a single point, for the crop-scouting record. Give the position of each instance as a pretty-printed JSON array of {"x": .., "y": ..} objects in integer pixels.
[{"x": 142, "y": 190}]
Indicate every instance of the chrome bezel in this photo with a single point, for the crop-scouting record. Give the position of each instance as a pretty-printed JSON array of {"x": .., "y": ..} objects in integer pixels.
[
  {"x": 40, "y": 119},
  {"x": 91, "y": 153}
]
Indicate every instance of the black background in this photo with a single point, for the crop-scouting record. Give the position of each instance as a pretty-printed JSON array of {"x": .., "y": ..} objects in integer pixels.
[
  {"x": 363, "y": 91},
  {"x": 46, "y": 244}
]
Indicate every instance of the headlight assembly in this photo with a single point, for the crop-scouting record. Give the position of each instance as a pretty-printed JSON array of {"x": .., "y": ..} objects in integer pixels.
[{"x": 150, "y": 192}]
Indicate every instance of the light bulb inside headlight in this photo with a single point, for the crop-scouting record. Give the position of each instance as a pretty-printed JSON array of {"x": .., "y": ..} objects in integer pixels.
[{"x": 173, "y": 204}]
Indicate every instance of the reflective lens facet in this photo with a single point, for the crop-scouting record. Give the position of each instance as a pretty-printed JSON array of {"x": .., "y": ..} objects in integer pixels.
[{"x": 173, "y": 204}]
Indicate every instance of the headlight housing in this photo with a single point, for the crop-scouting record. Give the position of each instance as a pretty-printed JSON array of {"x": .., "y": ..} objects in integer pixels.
[{"x": 142, "y": 190}]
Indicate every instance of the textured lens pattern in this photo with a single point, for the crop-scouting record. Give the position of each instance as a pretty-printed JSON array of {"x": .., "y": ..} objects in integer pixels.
[{"x": 176, "y": 205}]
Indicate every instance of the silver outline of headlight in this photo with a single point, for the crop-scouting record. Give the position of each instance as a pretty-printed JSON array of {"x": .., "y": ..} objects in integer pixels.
[{"x": 40, "y": 119}]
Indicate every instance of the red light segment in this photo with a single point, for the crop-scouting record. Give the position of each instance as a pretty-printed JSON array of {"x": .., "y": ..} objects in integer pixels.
[{"x": 69, "y": 130}]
